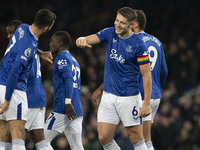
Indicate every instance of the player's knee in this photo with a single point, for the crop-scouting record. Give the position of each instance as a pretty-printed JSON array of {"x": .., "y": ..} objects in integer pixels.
[
  {"x": 4, "y": 131},
  {"x": 135, "y": 136},
  {"x": 104, "y": 139},
  {"x": 75, "y": 141},
  {"x": 3, "y": 136},
  {"x": 37, "y": 135}
]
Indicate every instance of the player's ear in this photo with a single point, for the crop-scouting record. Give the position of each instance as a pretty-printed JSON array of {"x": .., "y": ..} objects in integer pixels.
[
  {"x": 60, "y": 43},
  {"x": 134, "y": 24},
  {"x": 46, "y": 28}
]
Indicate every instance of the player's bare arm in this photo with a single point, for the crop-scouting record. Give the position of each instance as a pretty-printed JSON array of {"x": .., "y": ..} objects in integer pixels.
[
  {"x": 97, "y": 93},
  {"x": 4, "y": 106},
  {"x": 71, "y": 114},
  {"x": 45, "y": 55},
  {"x": 147, "y": 84},
  {"x": 87, "y": 41}
]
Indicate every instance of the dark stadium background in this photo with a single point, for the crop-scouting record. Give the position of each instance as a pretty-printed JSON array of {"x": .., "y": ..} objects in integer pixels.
[{"x": 175, "y": 22}]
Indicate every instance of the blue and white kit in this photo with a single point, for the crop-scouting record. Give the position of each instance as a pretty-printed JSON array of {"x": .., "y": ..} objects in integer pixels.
[
  {"x": 121, "y": 96},
  {"x": 14, "y": 70},
  {"x": 158, "y": 71}
]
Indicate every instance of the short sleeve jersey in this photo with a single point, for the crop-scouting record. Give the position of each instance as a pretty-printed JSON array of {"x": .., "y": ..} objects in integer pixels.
[
  {"x": 65, "y": 63},
  {"x": 21, "y": 50},
  {"x": 157, "y": 61},
  {"x": 123, "y": 57}
]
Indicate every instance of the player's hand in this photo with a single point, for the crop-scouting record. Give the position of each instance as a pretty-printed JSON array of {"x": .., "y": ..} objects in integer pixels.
[
  {"x": 70, "y": 111},
  {"x": 96, "y": 94},
  {"x": 4, "y": 106},
  {"x": 46, "y": 56},
  {"x": 145, "y": 110},
  {"x": 82, "y": 43}
]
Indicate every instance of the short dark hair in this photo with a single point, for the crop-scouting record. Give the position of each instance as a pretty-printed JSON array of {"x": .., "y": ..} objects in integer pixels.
[
  {"x": 141, "y": 19},
  {"x": 14, "y": 23},
  {"x": 44, "y": 18},
  {"x": 128, "y": 13},
  {"x": 64, "y": 37}
]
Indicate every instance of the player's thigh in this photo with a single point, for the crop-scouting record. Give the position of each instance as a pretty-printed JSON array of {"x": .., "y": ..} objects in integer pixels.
[
  {"x": 107, "y": 112},
  {"x": 17, "y": 129},
  {"x": 49, "y": 135},
  {"x": 154, "y": 107},
  {"x": 3, "y": 130},
  {"x": 75, "y": 126},
  {"x": 57, "y": 122},
  {"x": 128, "y": 109},
  {"x": 35, "y": 118},
  {"x": 73, "y": 132}
]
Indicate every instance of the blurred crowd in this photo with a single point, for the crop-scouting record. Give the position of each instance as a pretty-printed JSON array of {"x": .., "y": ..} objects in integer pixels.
[{"x": 175, "y": 23}]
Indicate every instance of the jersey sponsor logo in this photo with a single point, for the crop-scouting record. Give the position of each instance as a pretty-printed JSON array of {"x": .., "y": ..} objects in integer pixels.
[
  {"x": 62, "y": 63},
  {"x": 129, "y": 49},
  {"x": 115, "y": 56},
  {"x": 27, "y": 52},
  {"x": 21, "y": 33}
]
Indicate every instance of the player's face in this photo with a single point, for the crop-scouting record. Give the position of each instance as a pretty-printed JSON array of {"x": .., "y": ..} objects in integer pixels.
[
  {"x": 10, "y": 31},
  {"x": 54, "y": 44},
  {"x": 122, "y": 26}
]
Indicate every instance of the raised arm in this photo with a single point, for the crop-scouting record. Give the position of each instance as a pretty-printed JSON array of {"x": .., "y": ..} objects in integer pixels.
[{"x": 87, "y": 41}]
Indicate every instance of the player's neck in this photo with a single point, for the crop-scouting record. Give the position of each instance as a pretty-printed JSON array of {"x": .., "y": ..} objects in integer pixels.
[
  {"x": 136, "y": 31},
  {"x": 62, "y": 49},
  {"x": 36, "y": 31}
]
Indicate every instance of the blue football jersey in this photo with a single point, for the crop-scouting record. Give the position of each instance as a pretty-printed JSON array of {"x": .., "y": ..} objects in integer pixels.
[
  {"x": 19, "y": 54},
  {"x": 121, "y": 72},
  {"x": 66, "y": 63},
  {"x": 35, "y": 91},
  {"x": 158, "y": 64}
]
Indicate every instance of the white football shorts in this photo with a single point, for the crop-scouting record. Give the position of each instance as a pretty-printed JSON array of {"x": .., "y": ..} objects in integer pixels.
[
  {"x": 18, "y": 107},
  {"x": 60, "y": 122},
  {"x": 35, "y": 119},
  {"x": 114, "y": 108},
  {"x": 154, "y": 107}
]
